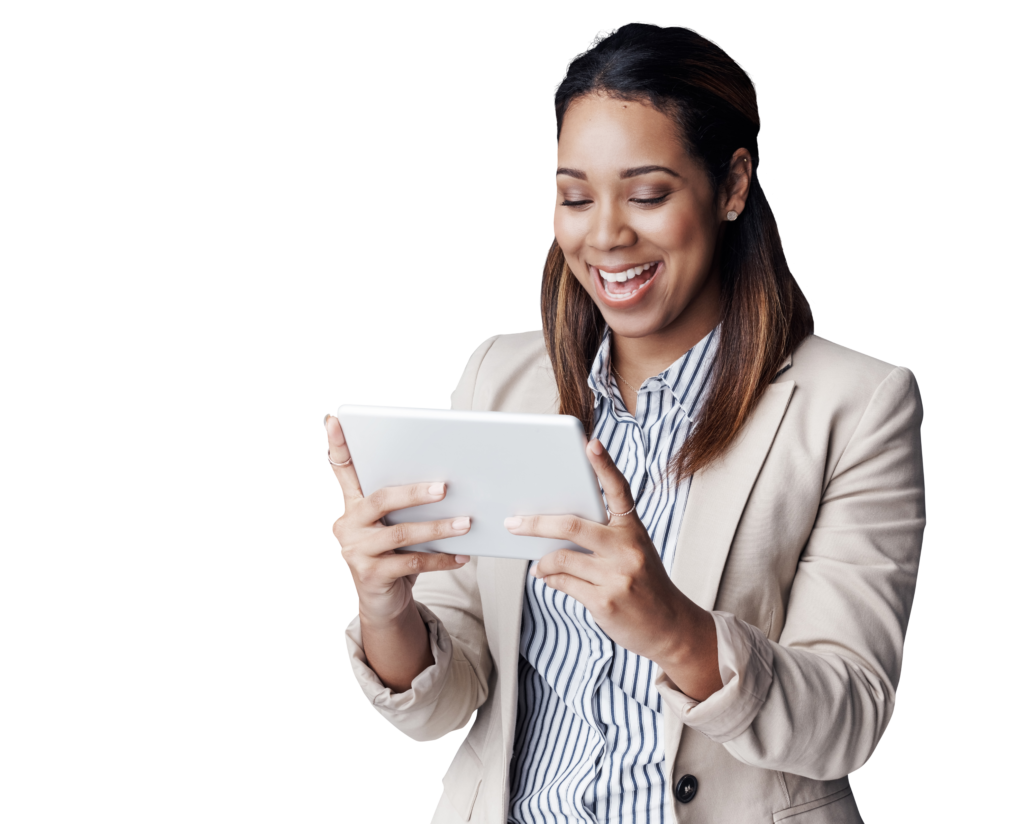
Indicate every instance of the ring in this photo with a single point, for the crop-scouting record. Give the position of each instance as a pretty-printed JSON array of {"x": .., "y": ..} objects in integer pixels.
[
  {"x": 620, "y": 514},
  {"x": 332, "y": 463}
]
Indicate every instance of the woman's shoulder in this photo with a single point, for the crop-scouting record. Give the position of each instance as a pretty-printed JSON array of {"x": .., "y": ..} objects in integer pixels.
[
  {"x": 508, "y": 373},
  {"x": 818, "y": 354},
  {"x": 839, "y": 384}
]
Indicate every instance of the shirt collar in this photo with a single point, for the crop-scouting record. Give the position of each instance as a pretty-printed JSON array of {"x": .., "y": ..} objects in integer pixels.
[
  {"x": 685, "y": 379},
  {"x": 600, "y": 379}
]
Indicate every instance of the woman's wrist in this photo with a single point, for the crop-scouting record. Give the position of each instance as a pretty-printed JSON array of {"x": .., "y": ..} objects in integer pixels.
[
  {"x": 387, "y": 618},
  {"x": 690, "y": 660},
  {"x": 397, "y": 648}
]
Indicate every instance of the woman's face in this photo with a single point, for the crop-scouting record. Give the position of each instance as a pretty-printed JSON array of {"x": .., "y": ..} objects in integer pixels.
[{"x": 637, "y": 219}]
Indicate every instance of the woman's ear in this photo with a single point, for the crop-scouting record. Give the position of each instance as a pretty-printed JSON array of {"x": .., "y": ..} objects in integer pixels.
[{"x": 733, "y": 196}]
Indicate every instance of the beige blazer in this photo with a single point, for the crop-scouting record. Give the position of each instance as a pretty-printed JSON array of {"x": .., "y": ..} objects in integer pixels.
[{"x": 809, "y": 530}]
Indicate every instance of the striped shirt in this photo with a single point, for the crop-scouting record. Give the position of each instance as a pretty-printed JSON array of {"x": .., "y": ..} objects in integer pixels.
[{"x": 589, "y": 741}]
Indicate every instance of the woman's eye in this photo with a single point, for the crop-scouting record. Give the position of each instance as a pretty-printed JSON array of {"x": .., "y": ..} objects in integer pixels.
[{"x": 645, "y": 202}]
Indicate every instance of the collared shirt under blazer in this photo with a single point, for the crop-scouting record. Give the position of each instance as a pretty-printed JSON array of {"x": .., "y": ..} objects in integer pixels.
[
  {"x": 589, "y": 743},
  {"x": 808, "y": 531}
]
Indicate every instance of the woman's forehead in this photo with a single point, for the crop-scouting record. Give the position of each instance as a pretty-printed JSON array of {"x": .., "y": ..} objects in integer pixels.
[{"x": 603, "y": 133}]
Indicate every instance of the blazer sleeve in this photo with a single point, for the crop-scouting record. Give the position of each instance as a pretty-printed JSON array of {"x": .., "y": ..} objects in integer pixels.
[
  {"x": 444, "y": 696},
  {"x": 817, "y": 702}
]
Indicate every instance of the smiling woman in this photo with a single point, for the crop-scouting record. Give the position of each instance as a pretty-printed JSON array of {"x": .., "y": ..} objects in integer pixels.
[
  {"x": 764, "y": 487},
  {"x": 695, "y": 173},
  {"x": 622, "y": 230}
]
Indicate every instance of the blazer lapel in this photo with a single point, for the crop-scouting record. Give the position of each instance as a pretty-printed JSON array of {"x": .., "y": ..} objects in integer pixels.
[
  {"x": 718, "y": 496},
  {"x": 502, "y": 584}
]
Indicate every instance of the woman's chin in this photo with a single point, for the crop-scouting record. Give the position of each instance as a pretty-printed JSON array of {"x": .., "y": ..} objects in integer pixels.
[{"x": 633, "y": 327}]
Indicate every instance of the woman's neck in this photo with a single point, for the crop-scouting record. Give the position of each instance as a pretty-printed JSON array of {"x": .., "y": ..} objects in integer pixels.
[{"x": 640, "y": 358}]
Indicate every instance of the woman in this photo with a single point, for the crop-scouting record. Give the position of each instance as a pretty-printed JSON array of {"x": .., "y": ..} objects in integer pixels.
[{"x": 730, "y": 649}]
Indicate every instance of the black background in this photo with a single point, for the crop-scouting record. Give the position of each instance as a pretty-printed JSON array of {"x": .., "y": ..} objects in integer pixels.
[{"x": 443, "y": 176}]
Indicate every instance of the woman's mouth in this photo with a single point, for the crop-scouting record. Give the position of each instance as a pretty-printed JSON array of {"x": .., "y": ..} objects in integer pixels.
[{"x": 621, "y": 284}]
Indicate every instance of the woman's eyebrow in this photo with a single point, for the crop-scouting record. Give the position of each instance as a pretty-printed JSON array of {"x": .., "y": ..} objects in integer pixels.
[
  {"x": 636, "y": 171},
  {"x": 571, "y": 173}
]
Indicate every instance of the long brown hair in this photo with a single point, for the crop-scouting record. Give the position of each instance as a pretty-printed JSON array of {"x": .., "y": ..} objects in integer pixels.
[{"x": 764, "y": 313}]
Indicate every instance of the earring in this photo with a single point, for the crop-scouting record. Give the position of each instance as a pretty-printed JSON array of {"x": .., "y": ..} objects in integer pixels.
[{"x": 731, "y": 215}]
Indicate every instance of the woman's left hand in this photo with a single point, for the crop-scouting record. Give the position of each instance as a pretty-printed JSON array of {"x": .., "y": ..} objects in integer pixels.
[{"x": 625, "y": 585}]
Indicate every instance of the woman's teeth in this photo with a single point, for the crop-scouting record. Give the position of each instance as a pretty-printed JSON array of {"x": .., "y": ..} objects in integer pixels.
[
  {"x": 629, "y": 274},
  {"x": 616, "y": 285}
]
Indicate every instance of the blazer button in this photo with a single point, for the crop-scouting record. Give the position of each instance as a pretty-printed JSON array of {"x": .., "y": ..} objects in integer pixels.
[{"x": 686, "y": 789}]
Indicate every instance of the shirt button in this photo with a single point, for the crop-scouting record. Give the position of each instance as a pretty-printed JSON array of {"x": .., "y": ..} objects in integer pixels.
[{"x": 686, "y": 789}]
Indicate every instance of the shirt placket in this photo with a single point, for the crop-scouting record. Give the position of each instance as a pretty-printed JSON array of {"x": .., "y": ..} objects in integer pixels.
[{"x": 646, "y": 399}]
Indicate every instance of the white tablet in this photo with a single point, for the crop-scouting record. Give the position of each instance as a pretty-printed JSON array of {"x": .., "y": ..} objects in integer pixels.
[{"x": 495, "y": 464}]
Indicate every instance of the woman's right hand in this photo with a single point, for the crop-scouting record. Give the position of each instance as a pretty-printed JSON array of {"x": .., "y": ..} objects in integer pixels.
[{"x": 384, "y": 577}]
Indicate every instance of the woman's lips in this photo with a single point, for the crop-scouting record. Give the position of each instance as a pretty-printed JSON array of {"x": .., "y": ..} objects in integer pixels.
[{"x": 625, "y": 294}]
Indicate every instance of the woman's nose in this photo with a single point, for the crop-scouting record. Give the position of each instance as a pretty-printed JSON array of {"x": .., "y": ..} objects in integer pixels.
[{"x": 610, "y": 229}]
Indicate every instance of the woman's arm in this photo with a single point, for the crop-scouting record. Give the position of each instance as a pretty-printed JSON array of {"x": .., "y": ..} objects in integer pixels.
[
  {"x": 445, "y": 694},
  {"x": 828, "y": 686},
  {"x": 425, "y": 667},
  {"x": 397, "y": 649}
]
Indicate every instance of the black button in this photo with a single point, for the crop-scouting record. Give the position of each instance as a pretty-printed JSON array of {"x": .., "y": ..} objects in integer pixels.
[{"x": 686, "y": 789}]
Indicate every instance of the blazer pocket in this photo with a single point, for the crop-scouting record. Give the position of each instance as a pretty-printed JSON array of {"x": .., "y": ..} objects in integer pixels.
[
  {"x": 837, "y": 808},
  {"x": 463, "y": 779}
]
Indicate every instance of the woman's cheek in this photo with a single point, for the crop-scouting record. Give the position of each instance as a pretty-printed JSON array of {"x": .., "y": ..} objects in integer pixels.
[
  {"x": 581, "y": 273},
  {"x": 678, "y": 231},
  {"x": 562, "y": 232},
  {"x": 569, "y": 235}
]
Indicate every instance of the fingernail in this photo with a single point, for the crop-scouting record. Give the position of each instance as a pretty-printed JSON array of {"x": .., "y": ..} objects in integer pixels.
[
  {"x": 325, "y": 419},
  {"x": 436, "y": 489},
  {"x": 513, "y": 522},
  {"x": 596, "y": 447},
  {"x": 462, "y": 559},
  {"x": 460, "y": 523}
]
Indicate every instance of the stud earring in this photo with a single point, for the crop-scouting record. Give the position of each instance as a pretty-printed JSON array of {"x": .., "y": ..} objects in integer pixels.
[{"x": 731, "y": 215}]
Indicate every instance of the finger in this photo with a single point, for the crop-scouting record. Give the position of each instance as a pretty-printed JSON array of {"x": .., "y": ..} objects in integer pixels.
[
  {"x": 580, "y": 531},
  {"x": 389, "y": 498},
  {"x": 567, "y": 562},
  {"x": 337, "y": 448},
  {"x": 402, "y": 535},
  {"x": 617, "y": 494},
  {"x": 583, "y": 591},
  {"x": 393, "y": 567}
]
